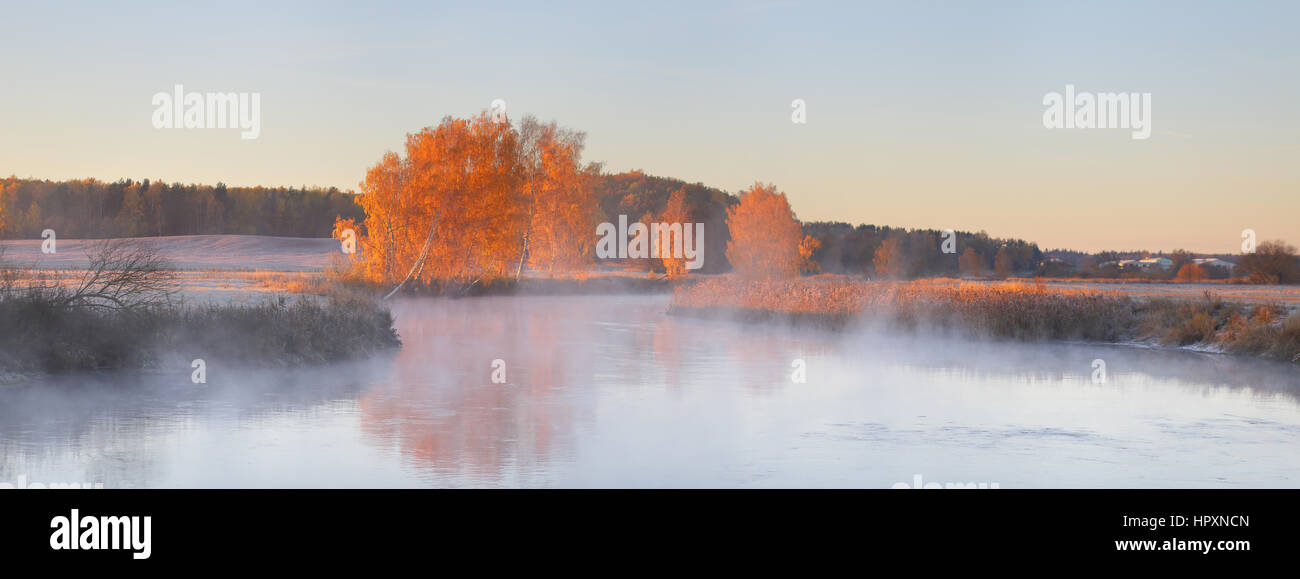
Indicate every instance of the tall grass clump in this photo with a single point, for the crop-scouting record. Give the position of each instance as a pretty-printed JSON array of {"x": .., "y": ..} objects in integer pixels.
[
  {"x": 281, "y": 331},
  {"x": 1265, "y": 330},
  {"x": 1000, "y": 310},
  {"x": 1011, "y": 310},
  {"x": 1185, "y": 323}
]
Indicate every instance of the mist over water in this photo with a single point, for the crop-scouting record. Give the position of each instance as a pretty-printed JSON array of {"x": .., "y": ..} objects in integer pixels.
[{"x": 610, "y": 391}]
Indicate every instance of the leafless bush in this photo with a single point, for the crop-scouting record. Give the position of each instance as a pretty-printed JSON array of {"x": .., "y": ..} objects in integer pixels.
[{"x": 122, "y": 275}]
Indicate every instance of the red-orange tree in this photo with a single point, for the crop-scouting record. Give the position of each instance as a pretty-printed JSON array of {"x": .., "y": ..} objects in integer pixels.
[
  {"x": 765, "y": 234},
  {"x": 562, "y": 209},
  {"x": 471, "y": 198},
  {"x": 449, "y": 210},
  {"x": 672, "y": 238}
]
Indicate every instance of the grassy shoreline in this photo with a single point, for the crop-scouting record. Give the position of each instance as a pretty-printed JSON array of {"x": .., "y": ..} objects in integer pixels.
[
  {"x": 122, "y": 312},
  {"x": 1008, "y": 310},
  {"x": 39, "y": 336}
]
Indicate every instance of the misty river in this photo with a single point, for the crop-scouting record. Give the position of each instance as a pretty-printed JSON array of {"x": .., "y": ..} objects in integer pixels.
[{"x": 611, "y": 392}]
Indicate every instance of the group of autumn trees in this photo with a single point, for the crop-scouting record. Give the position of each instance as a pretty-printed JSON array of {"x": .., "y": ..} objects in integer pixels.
[
  {"x": 479, "y": 200},
  {"x": 94, "y": 209},
  {"x": 476, "y": 200}
]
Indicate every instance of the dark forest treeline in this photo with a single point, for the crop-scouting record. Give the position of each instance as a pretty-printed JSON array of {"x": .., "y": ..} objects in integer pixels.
[
  {"x": 850, "y": 249},
  {"x": 90, "y": 208}
]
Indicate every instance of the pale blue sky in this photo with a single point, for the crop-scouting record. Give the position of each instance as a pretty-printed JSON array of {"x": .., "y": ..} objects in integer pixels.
[{"x": 920, "y": 114}]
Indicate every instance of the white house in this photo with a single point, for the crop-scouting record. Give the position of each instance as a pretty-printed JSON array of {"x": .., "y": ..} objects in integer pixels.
[
  {"x": 1162, "y": 262},
  {"x": 1214, "y": 262}
]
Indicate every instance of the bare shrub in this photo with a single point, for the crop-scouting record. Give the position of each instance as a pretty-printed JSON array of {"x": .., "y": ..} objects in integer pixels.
[{"x": 122, "y": 275}]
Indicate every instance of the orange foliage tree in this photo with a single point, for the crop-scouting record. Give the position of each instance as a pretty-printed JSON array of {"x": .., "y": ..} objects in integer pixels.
[
  {"x": 562, "y": 208},
  {"x": 890, "y": 260},
  {"x": 807, "y": 248},
  {"x": 671, "y": 238},
  {"x": 472, "y": 198},
  {"x": 383, "y": 193},
  {"x": 765, "y": 234},
  {"x": 1191, "y": 272}
]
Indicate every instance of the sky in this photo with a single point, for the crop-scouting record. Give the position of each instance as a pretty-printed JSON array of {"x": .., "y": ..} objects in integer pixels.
[{"x": 918, "y": 114}]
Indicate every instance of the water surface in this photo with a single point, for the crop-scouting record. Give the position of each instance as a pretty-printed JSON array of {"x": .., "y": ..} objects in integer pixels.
[{"x": 612, "y": 392}]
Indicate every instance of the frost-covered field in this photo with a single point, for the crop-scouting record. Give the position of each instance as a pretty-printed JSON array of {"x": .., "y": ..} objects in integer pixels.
[
  {"x": 193, "y": 252},
  {"x": 212, "y": 268},
  {"x": 223, "y": 267}
]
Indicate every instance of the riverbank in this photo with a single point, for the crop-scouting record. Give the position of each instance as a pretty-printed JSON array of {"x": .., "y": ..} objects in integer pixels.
[
  {"x": 126, "y": 310},
  {"x": 39, "y": 336},
  {"x": 1000, "y": 310}
]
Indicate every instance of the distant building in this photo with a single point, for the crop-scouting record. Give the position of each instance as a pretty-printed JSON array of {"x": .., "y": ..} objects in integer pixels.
[
  {"x": 1161, "y": 262},
  {"x": 1215, "y": 262},
  {"x": 1165, "y": 264}
]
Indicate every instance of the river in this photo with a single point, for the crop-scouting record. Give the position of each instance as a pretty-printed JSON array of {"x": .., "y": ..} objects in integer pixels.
[{"x": 611, "y": 392}]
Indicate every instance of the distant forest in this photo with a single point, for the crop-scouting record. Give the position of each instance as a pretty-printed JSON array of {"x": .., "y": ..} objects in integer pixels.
[
  {"x": 850, "y": 249},
  {"x": 90, "y": 208}
]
